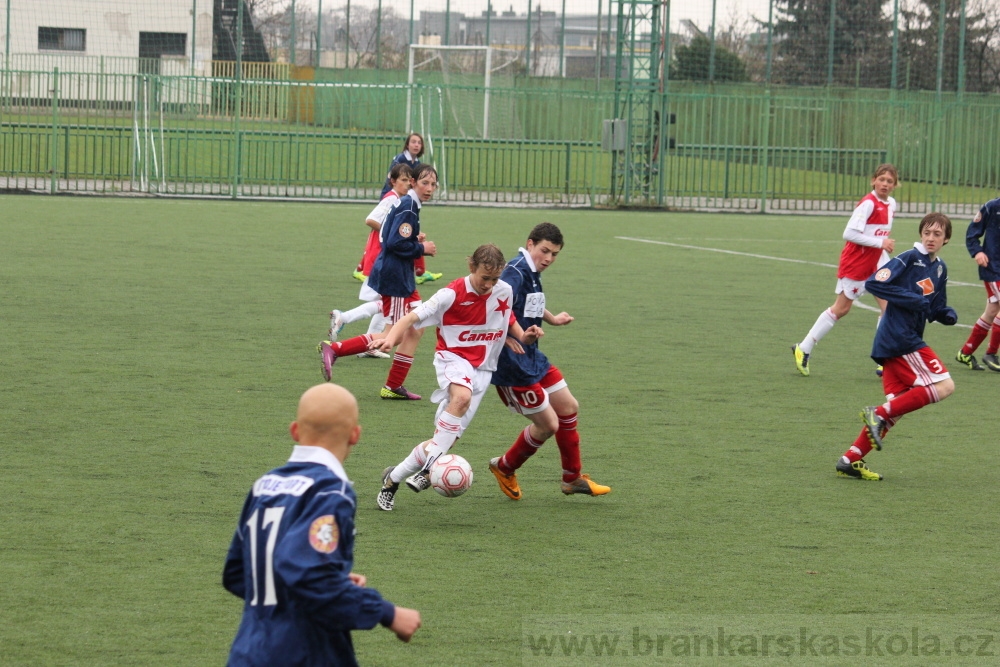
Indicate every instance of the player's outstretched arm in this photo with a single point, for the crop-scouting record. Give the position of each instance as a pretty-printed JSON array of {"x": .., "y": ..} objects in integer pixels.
[
  {"x": 557, "y": 320},
  {"x": 405, "y": 623},
  {"x": 396, "y": 333}
]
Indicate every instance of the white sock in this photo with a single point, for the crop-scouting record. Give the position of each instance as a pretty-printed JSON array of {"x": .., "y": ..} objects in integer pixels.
[
  {"x": 448, "y": 430},
  {"x": 411, "y": 464},
  {"x": 362, "y": 312},
  {"x": 378, "y": 322},
  {"x": 824, "y": 323}
]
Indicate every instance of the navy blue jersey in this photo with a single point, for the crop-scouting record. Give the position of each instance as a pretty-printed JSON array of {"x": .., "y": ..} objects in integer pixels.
[
  {"x": 290, "y": 559},
  {"x": 392, "y": 273},
  {"x": 402, "y": 158},
  {"x": 520, "y": 370},
  {"x": 914, "y": 287},
  {"x": 986, "y": 226}
]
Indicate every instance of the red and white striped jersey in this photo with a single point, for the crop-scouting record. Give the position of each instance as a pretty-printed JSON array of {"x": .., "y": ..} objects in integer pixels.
[
  {"x": 869, "y": 224},
  {"x": 470, "y": 325}
]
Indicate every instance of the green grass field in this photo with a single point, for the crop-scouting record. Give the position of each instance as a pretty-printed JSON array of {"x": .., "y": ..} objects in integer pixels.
[{"x": 153, "y": 352}]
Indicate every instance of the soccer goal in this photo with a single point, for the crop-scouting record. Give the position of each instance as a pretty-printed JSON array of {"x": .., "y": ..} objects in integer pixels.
[{"x": 465, "y": 77}]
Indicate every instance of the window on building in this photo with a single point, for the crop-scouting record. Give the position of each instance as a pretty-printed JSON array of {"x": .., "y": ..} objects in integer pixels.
[
  {"x": 156, "y": 44},
  {"x": 62, "y": 39}
]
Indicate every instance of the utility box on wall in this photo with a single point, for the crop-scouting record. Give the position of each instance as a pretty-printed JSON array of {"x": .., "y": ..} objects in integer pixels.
[{"x": 614, "y": 134}]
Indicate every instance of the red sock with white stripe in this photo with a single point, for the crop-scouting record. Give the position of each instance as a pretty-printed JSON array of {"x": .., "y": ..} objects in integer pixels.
[
  {"x": 910, "y": 400},
  {"x": 978, "y": 335},
  {"x": 354, "y": 345},
  {"x": 568, "y": 440},
  {"x": 859, "y": 449},
  {"x": 994, "y": 337},
  {"x": 400, "y": 369},
  {"x": 522, "y": 450}
]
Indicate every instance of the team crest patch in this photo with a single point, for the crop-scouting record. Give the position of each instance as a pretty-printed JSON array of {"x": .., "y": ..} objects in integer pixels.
[
  {"x": 406, "y": 230},
  {"x": 883, "y": 275},
  {"x": 324, "y": 534}
]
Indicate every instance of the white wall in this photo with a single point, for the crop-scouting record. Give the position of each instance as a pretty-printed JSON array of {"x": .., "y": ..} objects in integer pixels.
[{"x": 112, "y": 26}]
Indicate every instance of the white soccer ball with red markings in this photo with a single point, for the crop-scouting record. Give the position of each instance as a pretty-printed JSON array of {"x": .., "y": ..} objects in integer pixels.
[{"x": 451, "y": 475}]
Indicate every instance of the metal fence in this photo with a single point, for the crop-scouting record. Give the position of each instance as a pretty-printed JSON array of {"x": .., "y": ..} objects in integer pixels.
[{"x": 746, "y": 122}]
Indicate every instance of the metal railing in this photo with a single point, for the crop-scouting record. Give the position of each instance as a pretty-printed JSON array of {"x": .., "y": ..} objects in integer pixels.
[{"x": 214, "y": 136}]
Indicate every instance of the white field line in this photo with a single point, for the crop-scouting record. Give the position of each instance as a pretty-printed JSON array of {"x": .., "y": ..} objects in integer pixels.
[{"x": 859, "y": 304}]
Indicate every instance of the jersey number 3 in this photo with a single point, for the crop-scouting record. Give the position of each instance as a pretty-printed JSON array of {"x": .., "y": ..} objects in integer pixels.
[{"x": 272, "y": 519}]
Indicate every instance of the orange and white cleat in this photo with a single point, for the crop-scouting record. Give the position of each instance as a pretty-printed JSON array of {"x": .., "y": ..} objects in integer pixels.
[{"x": 583, "y": 484}]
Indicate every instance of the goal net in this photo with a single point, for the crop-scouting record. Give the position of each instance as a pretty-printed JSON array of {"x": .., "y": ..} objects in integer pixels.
[{"x": 461, "y": 84}]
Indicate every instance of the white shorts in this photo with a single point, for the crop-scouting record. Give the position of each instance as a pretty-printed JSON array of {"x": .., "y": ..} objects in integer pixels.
[
  {"x": 367, "y": 293},
  {"x": 453, "y": 369},
  {"x": 852, "y": 289}
]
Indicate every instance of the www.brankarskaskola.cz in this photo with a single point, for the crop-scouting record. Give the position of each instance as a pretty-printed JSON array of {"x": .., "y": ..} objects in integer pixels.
[{"x": 914, "y": 641}]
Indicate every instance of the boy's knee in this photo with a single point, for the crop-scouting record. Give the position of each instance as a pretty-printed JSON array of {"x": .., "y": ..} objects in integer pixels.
[{"x": 945, "y": 388}]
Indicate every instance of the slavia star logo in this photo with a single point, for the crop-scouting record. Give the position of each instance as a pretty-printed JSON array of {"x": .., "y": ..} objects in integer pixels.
[{"x": 503, "y": 306}]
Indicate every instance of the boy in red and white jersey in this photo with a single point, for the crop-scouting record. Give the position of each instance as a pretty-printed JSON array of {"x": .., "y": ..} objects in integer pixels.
[
  {"x": 866, "y": 249},
  {"x": 474, "y": 321}
]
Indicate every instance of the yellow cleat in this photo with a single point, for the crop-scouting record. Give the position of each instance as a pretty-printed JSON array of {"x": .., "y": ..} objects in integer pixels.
[
  {"x": 583, "y": 484},
  {"x": 508, "y": 483},
  {"x": 357, "y": 275},
  {"x": 427, "y": 277},
  {"x": 801, "y": 360},
  {"x": 857, "y": 470}
]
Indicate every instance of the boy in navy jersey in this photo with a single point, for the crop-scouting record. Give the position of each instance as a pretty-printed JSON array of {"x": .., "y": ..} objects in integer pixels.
[
  {"x": 531, "y": 386},
  {"x": 985, "y": 226},
  {"x": 913, "y": 285},
  {"x": 291, "y": 557},
  {"x": 392, "y": 277}
]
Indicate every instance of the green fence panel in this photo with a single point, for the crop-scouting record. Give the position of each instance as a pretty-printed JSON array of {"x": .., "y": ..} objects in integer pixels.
[{"x": 531, "y": 141}]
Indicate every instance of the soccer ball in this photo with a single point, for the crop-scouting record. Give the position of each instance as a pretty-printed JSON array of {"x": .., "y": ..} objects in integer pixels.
[{"x": 451, "y": 475}]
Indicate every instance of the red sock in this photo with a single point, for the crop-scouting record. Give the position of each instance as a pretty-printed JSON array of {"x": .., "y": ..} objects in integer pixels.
[
  {"x": 568, "y": 440},
  {"x": 361, "y": 263},
  {"x": 860, "y": 448},
  {"x": 994, "y": 337},
  {"x": 400, "y": 368},
  {"x": 522, "y": 450},
  {"x": 977, "y": 336},
  {"x": 354, "y": 345},
  {"x": 910, "y": 400},
  {"x": 419, "y": 266}
]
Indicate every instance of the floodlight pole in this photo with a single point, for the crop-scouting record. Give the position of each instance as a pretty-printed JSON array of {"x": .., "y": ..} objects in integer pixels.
[
  {"x": 409, "y": 90},
  {"x": 6, "y": 56},
  {"x": 319, "y": 33},
  {"x": 486, "y": 100},
  {"x": 294, "y": 36},
  {"x": 194, "y": 26},
  {"x": 562, "y": 42}
]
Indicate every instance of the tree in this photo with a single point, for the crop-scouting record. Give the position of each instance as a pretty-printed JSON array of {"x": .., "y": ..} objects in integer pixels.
[
  {"x": 692, "y": 62},
  {"x": 920, "y": 23},
  {"x": 862, "y": 43}
]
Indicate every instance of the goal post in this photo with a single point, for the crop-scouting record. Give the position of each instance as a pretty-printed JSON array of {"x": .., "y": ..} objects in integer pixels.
[{"x": 449, "y": 61}]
